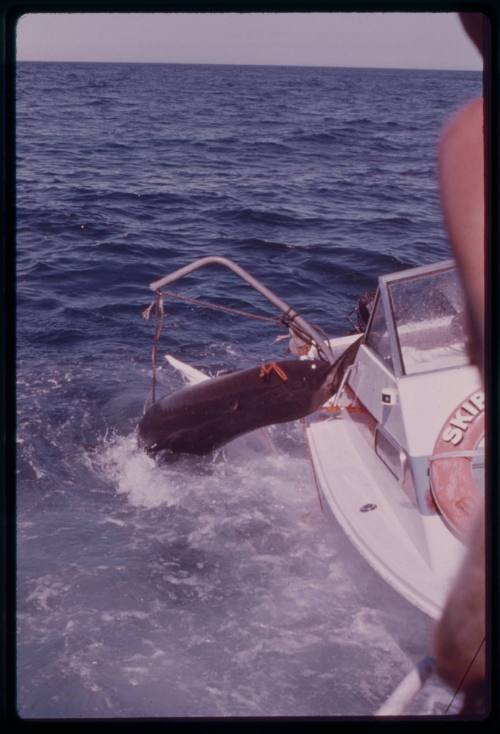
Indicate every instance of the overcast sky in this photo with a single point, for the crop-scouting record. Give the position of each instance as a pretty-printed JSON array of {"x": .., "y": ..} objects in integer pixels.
[{"x": 401, "y": 40}]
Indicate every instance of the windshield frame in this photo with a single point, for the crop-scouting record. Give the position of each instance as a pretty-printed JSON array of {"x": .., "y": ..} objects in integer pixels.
[
  {"x": 385, "y": 293},
  {"x": 382, "y": 297}
]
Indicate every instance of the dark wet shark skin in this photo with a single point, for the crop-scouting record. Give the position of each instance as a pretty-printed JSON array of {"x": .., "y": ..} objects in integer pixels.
[{"x": 200, "y": 418}]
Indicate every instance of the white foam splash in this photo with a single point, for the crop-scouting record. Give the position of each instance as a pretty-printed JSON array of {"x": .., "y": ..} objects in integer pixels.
[
  {"x": 245, "y": 464},
  {"x": 136, "y": 474}
]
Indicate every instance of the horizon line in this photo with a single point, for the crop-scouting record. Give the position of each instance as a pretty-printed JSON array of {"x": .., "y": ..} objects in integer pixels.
[{"x": 225, "y": 63}]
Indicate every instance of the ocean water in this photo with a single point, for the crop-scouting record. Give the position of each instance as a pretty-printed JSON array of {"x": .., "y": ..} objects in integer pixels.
[{"x": 207, "y": 587}]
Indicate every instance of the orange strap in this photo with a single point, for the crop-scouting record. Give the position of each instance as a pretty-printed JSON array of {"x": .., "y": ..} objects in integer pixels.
[
  {"x": 338, "y": 408},
  {"x": 273, "y": 367}
]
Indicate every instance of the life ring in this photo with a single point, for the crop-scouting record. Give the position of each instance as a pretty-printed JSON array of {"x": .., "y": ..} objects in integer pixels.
[{"x": 453, "y": 486}]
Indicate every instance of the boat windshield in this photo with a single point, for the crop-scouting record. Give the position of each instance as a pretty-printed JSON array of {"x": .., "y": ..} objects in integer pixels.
[{"x": 428, "y": 312}]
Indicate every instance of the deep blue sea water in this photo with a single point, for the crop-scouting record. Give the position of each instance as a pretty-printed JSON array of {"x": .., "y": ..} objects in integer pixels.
[{"x": 202, "y": 588}]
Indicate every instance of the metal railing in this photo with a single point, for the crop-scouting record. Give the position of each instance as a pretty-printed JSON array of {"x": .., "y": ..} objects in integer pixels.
[{"x": 289, "y": 316}]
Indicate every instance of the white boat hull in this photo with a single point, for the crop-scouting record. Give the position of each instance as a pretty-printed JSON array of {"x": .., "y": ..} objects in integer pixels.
[{"x": 416, "y": 554}]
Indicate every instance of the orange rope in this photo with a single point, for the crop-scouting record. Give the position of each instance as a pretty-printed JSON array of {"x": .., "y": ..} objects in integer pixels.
[
  {"x": 337, "y": 408},
  {"x": 266, "y": 369}
]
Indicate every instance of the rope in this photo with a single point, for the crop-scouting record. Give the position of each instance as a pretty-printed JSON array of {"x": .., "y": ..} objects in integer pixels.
[
  {"x": 286, "y": 320},
  {"x": 157, "y": 307},
  {"x": 457, "y": 455},
  {"x": 465, "y": 675},
  {"x": 266, "y": 369},
  {"x": 351, "y": 408},
  {"x": 216, "y": 307}
]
